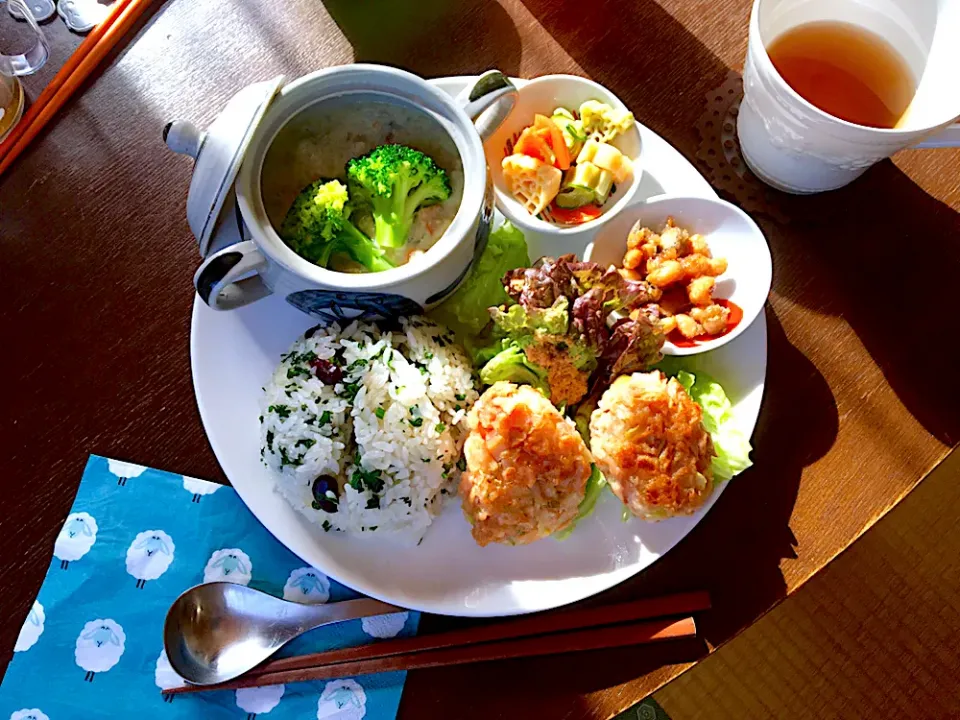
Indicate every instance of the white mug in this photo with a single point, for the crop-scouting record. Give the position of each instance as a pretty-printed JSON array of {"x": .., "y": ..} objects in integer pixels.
[{"x": 794, "y": 146}]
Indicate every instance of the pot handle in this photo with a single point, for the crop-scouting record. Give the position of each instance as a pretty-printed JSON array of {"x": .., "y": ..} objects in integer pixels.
[
  {"x": 494, "y": 91},
  {"x": 231, "y": 278}
]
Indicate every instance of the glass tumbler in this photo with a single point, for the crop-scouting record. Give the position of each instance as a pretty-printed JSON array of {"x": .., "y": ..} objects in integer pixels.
[{"x": 23, "y": 50}]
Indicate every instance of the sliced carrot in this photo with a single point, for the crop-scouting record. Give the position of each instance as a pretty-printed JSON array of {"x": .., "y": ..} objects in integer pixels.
[
  {"x": 554, "y": 137},
  {"x": 532, "y": 144},
  {"x": 574, "y": 216}
]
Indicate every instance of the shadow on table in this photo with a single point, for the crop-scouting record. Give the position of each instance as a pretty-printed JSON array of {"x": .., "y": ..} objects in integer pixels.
[
  {"x": 432, "y": 38},
  {"x": 888, "y": 253},
  {"x": 736, "y": 551},
  {"x": 647, "y": 58},
  {"x": 535, "y": 688}
]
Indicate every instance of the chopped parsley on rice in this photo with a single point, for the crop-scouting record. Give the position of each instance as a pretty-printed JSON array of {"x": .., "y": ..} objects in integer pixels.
[{"x": 363, "y": 427}]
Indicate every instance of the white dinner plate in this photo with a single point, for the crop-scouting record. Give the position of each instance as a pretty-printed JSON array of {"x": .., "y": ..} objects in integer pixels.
[{"x": 233, "y": 355}]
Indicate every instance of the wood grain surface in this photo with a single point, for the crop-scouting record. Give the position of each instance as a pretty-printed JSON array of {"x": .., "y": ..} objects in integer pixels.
[
  {"x": 96, "y": 260},
  {"x": 872, "y": 635}
]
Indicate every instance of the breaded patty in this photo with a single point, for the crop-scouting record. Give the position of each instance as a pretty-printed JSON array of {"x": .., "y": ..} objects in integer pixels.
[
  {"x": 648, "y": 440},
  {"x": 527, "y": 467},
  {"x": 567, "y": 384}
]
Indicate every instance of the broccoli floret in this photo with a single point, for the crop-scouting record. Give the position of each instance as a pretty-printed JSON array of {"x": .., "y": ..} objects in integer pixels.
[
  {"x": 318, "y": 225},
  {"x": 511, "y": 364},
  {"x": 396, "y": 181}
]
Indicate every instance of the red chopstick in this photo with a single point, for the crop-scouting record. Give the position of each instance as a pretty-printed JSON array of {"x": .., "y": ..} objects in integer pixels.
[
  {"x": 539, "y": 624},
  {"x": 79, "y": 66},
  {"x": 542, "y": 634},
  {"x": 647, "y": 631}
]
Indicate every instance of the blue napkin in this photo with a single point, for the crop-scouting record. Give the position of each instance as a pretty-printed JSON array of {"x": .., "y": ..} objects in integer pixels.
[{"x": 91, "y": 646}]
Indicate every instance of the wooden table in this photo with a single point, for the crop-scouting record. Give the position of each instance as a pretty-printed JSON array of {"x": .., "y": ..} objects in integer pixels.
[{"x": 97, "y": 262}]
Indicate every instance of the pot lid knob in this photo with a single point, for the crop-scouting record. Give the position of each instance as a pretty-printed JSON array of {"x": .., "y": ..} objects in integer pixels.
[
  {"x": 218, "y": 153},
  {"x": 183, "y": 137}
]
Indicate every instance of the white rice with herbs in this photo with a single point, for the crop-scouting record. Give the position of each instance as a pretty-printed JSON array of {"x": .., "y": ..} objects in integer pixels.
[{"x": 376, "y": 447}]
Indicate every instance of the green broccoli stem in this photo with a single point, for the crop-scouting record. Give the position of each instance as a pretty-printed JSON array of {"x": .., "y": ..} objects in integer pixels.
[
  {"x": 390, "y": 232},
  {"x": 393, "y": 215},
  {"x": 378, "y": 264},
  {"x": 362, "y": 249},
  {"x": 429, "y": 190}
]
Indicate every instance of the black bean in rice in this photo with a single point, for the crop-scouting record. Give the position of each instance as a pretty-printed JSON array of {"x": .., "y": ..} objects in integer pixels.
[{"x": 389, "y": 430}]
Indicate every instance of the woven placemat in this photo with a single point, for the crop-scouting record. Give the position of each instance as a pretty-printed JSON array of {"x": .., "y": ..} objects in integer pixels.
[{"x": 720, "y": 159}]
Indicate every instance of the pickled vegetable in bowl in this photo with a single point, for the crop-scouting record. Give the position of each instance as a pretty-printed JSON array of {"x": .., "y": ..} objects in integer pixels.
[
  {"x": 585, "y": 117},
  {"x": 563, "y": 168}
]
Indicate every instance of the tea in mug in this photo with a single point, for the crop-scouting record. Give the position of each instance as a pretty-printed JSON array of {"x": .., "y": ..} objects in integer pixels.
[{"x": 846, "y": 71}]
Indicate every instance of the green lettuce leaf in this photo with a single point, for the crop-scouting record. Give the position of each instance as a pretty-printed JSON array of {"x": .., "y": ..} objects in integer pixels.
[
  {"x": 465, "y": 312},
  {"x": 517, "y": 321},
  {"x": 582, "y": 419},
  {"x": 582, "y": 356},
  {"x": 511, "y": 364},
  {"x": 732, "y": 446},
  {"x": 481, "y": 354}
]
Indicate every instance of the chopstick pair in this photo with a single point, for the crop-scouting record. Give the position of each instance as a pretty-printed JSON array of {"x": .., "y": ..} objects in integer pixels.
[
  {"x": 79, "y": 66},
  {"x": 543, "y": 634}
]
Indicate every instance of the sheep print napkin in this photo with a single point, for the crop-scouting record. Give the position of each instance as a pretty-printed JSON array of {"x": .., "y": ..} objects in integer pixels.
[{"x": 91, "y": 645}]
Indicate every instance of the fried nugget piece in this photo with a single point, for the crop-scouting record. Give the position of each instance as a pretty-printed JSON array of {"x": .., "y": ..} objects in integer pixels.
[
  {"x": 567, "y": 384},
  {"x": 527, "y": 467},
  {"x": 648, "y": 440}
]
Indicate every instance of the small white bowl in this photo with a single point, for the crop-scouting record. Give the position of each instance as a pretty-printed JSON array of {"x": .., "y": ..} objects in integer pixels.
[
  {"x": 542, "y": 95},
  {"x": 729, "y": 232}
]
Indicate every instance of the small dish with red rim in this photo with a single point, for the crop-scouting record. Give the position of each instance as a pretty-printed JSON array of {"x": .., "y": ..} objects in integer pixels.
[{"x": 729, "y": 233}]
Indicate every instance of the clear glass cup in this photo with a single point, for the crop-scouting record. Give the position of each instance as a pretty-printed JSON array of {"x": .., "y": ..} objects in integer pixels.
[{"x": 23, "y": 48}]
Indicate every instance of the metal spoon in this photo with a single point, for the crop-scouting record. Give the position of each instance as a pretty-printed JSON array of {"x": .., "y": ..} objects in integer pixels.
[{"x": 217, "y": 631}]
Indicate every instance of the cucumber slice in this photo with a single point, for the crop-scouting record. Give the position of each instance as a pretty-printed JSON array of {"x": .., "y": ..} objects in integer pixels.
[
  {"x": 574, "y": 196},
  {"x": 604, "y": 186}
]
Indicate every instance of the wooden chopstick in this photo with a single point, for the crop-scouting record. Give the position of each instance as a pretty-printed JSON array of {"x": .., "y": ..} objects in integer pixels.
[
  {"x": 471, "y": 638},
  {"x": 540, "y": 624},
  {"x": 79, "y": 66},
  {"x": 61, "y": 77},
  {"x": 646, "y": 631}
]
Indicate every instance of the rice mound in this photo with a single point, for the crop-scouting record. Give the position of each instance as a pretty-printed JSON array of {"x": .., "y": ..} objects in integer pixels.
[{"x": 390, "y": 430}]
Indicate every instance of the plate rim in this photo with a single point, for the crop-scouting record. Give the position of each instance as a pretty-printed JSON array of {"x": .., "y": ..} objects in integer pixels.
[{"x": 611, "y": 579}]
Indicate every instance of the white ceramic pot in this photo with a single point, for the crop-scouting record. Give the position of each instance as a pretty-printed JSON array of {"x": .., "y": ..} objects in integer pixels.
[
  {"x": 261, "y": 263},
  {"x": 794, "y": 146}
]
